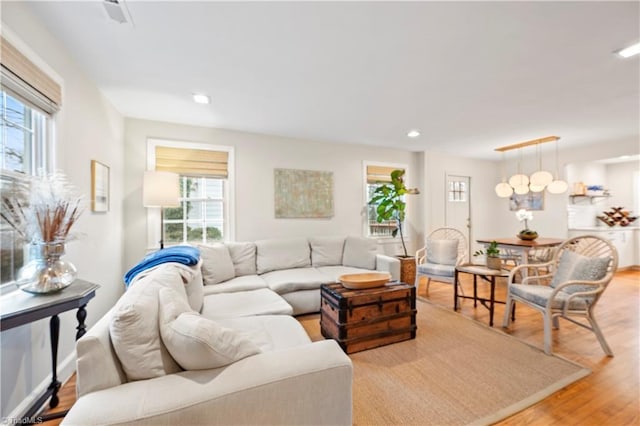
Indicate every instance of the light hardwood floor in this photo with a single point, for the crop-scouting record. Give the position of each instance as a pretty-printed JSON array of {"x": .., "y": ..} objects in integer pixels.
[{"x": 608, "y": 396}]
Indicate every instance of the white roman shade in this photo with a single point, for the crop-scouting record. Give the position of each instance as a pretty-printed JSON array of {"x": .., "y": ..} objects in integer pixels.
[
  {"x": 23, "y": 77},
  {"x": 192, "y": 162}
]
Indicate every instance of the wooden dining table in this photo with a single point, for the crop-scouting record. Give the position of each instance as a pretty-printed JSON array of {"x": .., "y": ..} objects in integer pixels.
[{"x": 522, "y": 247}]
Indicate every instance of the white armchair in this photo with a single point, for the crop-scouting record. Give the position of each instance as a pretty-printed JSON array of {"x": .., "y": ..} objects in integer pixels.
[
  {"x": 445, "y": 248},
  {"x": 579, "y": 273}
]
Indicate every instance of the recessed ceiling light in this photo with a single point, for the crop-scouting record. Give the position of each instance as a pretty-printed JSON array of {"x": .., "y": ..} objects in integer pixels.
[
  {"x": 413, "y": 133},
  {"x": 201, "y": 99},
  {"x": 629, "y": 51}
]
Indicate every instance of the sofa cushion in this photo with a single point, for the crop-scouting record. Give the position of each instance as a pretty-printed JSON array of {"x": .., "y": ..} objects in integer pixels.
[
  {"x": 539, "y": 294},
  {"x": 574, "y": 266},
  {"x": 326, "y": 251},
  {"x": 437, "y": 269},
  {"x": 360, "y": 253},
  {"x": 244, "y": 283},
  {"x": 288, "y": 280},
  {"x": 134, "y": 329},
  {"x": 194, "y": 287},
  {"x": 245, "y": 303},
  {"x": 216, "y": 263},
  {"x": 243, "y": 256},
  {"x": 269, "y": 332},
  {"x": 277, "y": 254},
  {"x": 444, "y": 252},
  {"x": 195, "y": 342}
]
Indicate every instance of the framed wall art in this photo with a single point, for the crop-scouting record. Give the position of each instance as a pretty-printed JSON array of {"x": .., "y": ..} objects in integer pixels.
[
  {"x": 99, "y": 187},
  {"x": 528, "y": 201},
  {"x": 303, "y": 193}
]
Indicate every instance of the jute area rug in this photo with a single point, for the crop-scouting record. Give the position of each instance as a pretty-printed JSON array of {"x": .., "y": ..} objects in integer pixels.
[{"x": 456, "y": 372}]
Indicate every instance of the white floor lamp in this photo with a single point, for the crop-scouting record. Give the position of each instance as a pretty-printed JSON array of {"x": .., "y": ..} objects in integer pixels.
[{"x": 161, "y": 189}]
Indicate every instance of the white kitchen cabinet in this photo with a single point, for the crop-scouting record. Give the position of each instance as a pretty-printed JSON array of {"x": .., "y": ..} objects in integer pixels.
[{"x": 626, "y": 241}]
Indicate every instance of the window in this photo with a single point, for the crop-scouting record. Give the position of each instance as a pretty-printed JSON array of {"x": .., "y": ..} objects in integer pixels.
[
  {"x": 22, "y": 152},
  {"x": 457, "y": 191},
  {"x": 201, "y": 208},
  {"x": 377, "y": 175},
  {"x": 29, "y": 98},
  {"x": 206, "y": 182}
]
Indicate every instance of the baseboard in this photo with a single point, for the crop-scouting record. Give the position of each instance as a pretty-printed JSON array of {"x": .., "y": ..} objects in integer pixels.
[
  {"x": 66, "y": 369},
  {"x": 629, "y": 268}
]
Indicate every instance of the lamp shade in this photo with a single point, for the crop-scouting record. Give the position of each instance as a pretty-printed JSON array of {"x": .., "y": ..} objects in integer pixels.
[
  {"x": 557, "y": 187},
  {"x": 504, "y": 190},
  {"x": 541, "y": 178},
  {"x": 161, "y": 189},
  {"x": 518, "y": 179}
]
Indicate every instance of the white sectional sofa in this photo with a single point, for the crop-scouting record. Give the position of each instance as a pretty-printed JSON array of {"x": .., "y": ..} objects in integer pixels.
[
  {"x": 293, "y": 268},
  {"x": 177, "y": 349}
]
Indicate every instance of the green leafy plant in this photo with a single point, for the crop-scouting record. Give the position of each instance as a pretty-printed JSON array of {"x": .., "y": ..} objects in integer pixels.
[
  {"x": 492, "y": 250},
  {"x": 390, "y": 204}
]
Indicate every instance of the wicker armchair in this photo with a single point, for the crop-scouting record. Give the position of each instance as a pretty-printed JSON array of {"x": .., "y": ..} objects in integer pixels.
[
  {"x": 445, "y": 248},
  {"x": 579, "y": 273}
]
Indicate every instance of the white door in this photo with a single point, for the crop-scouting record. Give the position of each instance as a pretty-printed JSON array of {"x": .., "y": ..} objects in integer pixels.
[{"x": 458, "y": 205}]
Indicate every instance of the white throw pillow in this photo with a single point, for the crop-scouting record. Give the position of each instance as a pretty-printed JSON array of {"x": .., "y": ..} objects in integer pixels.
[
  {"x": 134, "y": 330},
  {"x": 216, "y": 264},
  {"x": 196, "y": 342},
  {"x": 360, "y": 253},
  {"x": 243, "y": 256},
  {"x": 442, "y": 252},
  {"x": 326, "y": 251}
]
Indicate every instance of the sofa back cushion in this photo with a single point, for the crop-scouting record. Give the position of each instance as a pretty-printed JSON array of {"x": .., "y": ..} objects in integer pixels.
[
  {"x": 326, "y": 251},
  {"x": 97, "y": 365},
  {"x": 196, "y": 342},
  {"x": 134, "y": 330},
  {"x": 243, "y": 256},
  {"x": 360, "y": 253},
  {"x": 216, "y": 263},
  {"x": 277, "y": 254}
]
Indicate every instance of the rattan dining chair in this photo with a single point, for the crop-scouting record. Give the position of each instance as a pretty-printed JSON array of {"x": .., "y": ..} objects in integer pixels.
[
  {"x": 444, "y": 249},
  {"x": 580, "y": 271}
]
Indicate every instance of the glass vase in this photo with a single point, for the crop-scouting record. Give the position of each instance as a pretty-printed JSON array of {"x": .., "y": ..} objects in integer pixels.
[{"x": 46, "y": 272}]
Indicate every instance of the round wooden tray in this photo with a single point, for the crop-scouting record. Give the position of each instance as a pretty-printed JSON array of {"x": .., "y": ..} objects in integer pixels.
[{"x": 364, "y": 280}]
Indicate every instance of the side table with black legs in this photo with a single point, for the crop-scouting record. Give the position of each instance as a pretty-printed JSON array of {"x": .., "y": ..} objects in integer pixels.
[
  {"x": 20, "y": 308},
  {"x": 486, "y": 274}
]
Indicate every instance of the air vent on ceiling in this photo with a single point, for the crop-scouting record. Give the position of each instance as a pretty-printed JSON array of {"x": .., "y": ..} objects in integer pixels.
[{"x": 117, "y": 10}]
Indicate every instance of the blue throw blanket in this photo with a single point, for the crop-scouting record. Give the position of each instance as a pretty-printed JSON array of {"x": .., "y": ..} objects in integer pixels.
[{"x": 186, "y": 255}]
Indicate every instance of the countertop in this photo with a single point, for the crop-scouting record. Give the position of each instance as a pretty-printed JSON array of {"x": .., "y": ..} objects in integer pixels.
[{"x": 605, "y": 228}]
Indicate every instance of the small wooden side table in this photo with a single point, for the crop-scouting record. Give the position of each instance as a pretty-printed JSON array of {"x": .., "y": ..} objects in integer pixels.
[
  {"x": 19, "y": 308},
  {"x": 486, "y": 274}
]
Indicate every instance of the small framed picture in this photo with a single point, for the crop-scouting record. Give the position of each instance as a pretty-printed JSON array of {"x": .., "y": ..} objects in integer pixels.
[{"x": 99, "y": 187}]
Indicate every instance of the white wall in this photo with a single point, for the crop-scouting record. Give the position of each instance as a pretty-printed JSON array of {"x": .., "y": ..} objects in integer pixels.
[
  {"x": 484, "y": 202},
  {"x": 620, "y": 181},
  {"x": 88, "y": 128},
  {"x": 256, "y": 156}
]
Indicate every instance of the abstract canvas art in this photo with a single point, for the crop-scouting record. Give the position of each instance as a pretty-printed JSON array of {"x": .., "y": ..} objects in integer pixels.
[
  {"x": 528, "y": 201},
  {"x": 303, "y": 193}
]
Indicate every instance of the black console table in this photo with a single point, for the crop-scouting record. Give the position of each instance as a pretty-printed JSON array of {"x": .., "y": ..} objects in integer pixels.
[{"x": 19, "y": 308}]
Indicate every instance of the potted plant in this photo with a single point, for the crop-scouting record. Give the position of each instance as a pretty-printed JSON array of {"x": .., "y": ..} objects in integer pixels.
[
  {"x": 390, "y": 205},
  {"x": 492, "y": 254}
]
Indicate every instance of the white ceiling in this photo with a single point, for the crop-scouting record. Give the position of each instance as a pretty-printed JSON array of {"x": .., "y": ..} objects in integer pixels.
[{"x": 471, "y": 76}]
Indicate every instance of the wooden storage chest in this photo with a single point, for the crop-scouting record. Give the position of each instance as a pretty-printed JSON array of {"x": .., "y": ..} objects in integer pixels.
[{"x": 365, "y": 319}]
